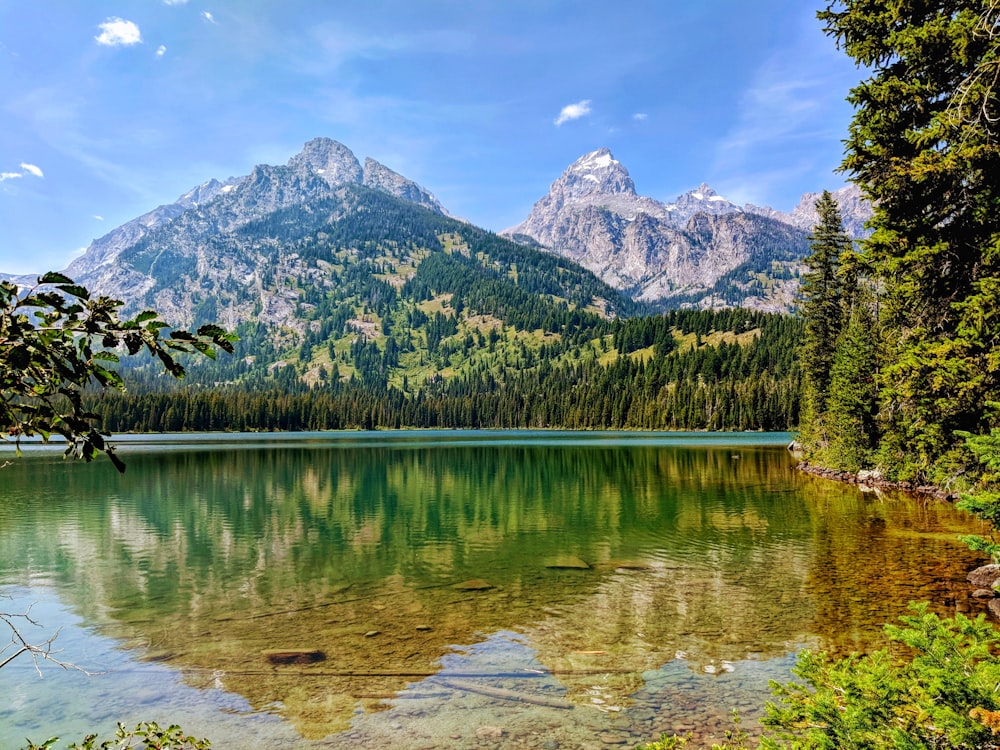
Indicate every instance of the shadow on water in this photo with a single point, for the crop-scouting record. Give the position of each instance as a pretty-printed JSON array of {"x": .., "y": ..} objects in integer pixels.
[{"x": 497, "y": 581}]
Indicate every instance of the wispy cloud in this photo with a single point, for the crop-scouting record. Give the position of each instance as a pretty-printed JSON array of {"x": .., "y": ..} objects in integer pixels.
[
  {"x": 117, "y": 32},
  {"x": 99, "y": 218},
  {"x": 161, "y": 50},
  {"x": 26, "y": 169},
  {"x": 32, "y": 169},
  {"x": 640, "y": 116},
  {"x": 208, "y": 17},
  {"x": 573, "y": 112},
  {"x": 174, "y": 2},
  {"x": 783, "y": 114},
  {"x": 329, "y": 46}
]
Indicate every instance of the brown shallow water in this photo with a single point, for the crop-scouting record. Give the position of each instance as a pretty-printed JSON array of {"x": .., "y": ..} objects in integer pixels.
[{"x": 549, "y": 590}]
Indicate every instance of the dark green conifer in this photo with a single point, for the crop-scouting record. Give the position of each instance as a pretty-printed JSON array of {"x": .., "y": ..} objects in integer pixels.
[
  {"x": 822, "y": 308},
  {"x": 924, "y": 146}
]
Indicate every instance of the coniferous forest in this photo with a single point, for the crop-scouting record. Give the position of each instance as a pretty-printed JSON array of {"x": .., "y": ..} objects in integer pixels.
[{"x": 685, "y": 370}]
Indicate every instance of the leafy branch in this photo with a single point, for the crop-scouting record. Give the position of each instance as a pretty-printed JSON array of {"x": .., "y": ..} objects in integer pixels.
[{"x": 56, "y": 340}]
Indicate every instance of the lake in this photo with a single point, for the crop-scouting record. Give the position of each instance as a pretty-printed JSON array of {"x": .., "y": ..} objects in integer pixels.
[{"x": 464, "y": 589}]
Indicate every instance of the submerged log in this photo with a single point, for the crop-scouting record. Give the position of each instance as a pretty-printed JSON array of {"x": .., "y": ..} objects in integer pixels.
[
  {"x": 476, "y": 584},
  {"x": 504, "y": 693}
]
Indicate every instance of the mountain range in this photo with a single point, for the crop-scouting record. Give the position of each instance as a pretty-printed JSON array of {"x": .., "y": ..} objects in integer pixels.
[
  {"x": 358, "y": 301},
  {"x": 700, "y": 249}
]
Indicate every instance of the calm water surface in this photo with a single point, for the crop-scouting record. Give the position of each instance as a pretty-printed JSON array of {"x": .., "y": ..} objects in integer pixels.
[{"x": 570, "y": 590}]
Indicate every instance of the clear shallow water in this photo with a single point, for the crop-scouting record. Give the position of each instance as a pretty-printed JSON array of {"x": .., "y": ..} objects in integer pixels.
[{"x": 567, "y": 588}]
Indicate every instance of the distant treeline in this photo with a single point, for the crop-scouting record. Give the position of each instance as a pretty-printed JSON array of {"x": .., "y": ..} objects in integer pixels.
[{"x": 687, "y": 370}]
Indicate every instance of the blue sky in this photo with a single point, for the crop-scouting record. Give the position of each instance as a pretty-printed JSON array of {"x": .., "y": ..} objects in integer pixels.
[{"x": 112, "y": 107}]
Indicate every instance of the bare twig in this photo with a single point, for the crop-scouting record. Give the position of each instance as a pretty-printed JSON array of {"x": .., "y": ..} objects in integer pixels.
[{"x": 20, "y": 644}]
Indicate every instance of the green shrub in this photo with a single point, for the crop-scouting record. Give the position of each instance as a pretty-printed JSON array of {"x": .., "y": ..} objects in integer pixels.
[
  {"x": 936, "y": 687},
  {"x": 146, "y": 736},
  {"x": 939, "y": 692}
]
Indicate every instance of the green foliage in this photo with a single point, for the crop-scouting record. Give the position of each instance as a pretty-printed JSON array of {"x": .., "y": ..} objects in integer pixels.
[
  {"x": 820, "y": 295},
  {"x": 56, "y": 339},
  {"x": 747, "y": 378},
  {"x": 850, "y": 421},
  {"x": 146, "y": 736},
  {"x": 985, "y": 501},
  {"x": 839, "y": 352},
  {"x": 925, "y": 148},
  {"x": 939, "y": 692}
]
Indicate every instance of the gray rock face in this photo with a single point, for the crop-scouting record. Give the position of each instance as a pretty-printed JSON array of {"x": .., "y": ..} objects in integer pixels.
[
  {"x": 593, "y": 215},
  {"x": 854, "y": 211},
  {"x": 105, "y": 250},
  {"x": 321, "y": 166},
  {"x": 682, "y": 249},
  {"x": 198, "y": 236},
  {"x": 329, "y": 159},
  {"x": 380, "y": 177}
]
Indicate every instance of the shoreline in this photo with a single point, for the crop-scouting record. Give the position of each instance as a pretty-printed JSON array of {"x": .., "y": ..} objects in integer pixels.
[{"x": 875, "y": 480}]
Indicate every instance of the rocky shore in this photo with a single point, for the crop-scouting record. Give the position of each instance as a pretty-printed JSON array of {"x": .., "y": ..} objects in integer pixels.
[{"x": 874, "y": 479}]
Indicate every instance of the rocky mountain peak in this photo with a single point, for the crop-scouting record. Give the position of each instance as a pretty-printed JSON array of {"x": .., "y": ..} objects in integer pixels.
[
  {"x": 213, "y": 207},
  {"x": 330, "y": 159},
  {"x": 702, "y": 200},
  {"x": 595, "y": 173},
  {"x": 207, "y": 191}
]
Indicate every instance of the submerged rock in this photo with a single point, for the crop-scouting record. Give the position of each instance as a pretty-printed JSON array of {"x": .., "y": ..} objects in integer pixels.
[
  {"x": 566, "y": 562},
  {"x": 293, "y": 655},
  {"x": 489, "y": 733},
  {"x": 985, "y": 577}
]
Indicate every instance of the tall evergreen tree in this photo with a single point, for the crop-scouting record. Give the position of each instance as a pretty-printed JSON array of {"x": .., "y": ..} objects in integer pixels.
[
  {"x": 850, "y": 418},
  {"x": 924, "y": 146},
  {"x": 822, "y": 308}
]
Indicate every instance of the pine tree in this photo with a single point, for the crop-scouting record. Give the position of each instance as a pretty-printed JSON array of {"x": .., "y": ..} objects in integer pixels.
[
  {"x": 851, "y": 409},
  {"x": 822, "y": 308},
  {"x": 924, "y": 146}
]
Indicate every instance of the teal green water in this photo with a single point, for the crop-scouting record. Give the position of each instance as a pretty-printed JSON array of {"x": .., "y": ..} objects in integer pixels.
[{"x": 566, "y": 588}]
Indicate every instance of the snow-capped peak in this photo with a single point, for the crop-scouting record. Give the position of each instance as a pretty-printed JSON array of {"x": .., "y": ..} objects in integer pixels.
[
  {"x": 595, "y": 160},
  {"x": 595, "y": 173}
]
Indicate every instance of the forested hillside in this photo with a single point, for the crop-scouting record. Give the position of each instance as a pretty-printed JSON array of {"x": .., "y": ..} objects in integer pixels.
[
  {"x": 361, "y": 309},
  {"x": 734, "y": 370}
]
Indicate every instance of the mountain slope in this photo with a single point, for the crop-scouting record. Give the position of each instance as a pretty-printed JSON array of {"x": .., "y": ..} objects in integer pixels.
[
  {"x": 331, "y": 269},
  {"x": 216, "y": 207}
]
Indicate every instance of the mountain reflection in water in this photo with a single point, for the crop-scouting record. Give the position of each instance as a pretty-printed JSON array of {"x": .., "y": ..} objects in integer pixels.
[{"x": 543, "y": 570}]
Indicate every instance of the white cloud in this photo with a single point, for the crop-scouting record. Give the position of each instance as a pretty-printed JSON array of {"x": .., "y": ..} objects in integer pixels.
[
  {"x": 117, "y": 32},
  {"x": 161, "y": 50},
  {"x": 26, "y": 169},
  {"x": 99, "y": 218},
  {"x": 32, "y": 168},
  {"x": 573, "y": 112},
  {"x": 174, "y": 2},
  {"x": 640, "y": 116},
  {"x": 208, "y": 16}
]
